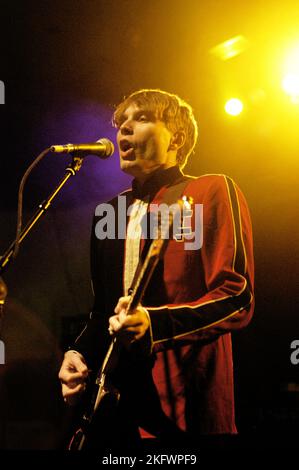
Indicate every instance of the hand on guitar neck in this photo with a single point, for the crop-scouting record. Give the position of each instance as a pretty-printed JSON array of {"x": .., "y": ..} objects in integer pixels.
[{"x": 128, "y": 326}]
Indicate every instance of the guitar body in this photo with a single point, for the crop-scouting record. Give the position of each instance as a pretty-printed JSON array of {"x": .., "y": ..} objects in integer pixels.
[
  {"x": 90, "y": 433},
  {"x": 99, "y": 405},
  {"x": 107, "y": 414}
]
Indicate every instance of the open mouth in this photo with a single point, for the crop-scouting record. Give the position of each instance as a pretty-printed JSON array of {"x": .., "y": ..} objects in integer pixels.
[
  {"x": 125, "y": 145},
  {"x": 126, "y": 148}
]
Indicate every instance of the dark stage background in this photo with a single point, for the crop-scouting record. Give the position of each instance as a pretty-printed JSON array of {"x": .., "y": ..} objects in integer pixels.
[{"x": 65, "y": 64}]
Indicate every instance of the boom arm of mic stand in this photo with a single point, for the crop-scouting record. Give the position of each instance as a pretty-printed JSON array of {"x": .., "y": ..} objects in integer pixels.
[{"x": 71, "y": 170}]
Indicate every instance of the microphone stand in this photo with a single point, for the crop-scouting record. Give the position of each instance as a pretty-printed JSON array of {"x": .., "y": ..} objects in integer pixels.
[
  {"x": 71, "y": 170},
  {"x": 6, "y": 259}
]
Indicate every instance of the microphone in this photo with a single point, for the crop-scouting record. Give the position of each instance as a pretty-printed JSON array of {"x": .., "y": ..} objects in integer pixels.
[{"x": 103, "y": 148}]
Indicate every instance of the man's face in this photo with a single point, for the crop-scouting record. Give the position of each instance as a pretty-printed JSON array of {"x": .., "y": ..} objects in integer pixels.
[{"x": 143, "y": 143}]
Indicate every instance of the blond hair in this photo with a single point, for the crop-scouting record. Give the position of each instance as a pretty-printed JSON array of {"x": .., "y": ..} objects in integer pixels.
[{"x": 176, "y": 113}]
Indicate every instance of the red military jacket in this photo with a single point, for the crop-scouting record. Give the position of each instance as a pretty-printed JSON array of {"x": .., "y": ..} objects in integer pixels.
[{"x": 195, "y": 299}]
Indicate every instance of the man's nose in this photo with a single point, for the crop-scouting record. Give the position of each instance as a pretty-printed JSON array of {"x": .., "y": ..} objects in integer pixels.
[{"x": 126, "y": 128}]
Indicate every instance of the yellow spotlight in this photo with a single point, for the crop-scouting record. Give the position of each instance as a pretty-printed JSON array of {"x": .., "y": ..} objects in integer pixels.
[
  {"x": 234, "y": 106},
  {"x": 290, "y": 82}
]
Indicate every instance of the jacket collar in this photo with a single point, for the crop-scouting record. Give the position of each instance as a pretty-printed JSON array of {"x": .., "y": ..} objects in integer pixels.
[{"x": 155, "y": 182}]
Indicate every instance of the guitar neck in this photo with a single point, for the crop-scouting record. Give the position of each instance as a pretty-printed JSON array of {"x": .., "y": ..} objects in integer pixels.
[
  {"x": 153, "y": 255},
  {"x": 136, "y": 296},
  {"x": 145, "y": 273}
]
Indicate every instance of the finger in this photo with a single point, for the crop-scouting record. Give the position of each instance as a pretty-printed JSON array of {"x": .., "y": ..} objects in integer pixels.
[
  {"x": 78, "y": 364},
  {"x": 132, "y": 333},
  {"x": 122, "y": 304},
  {"x": 67, "y": 391},
  {"x": 119, "y": 305},
  {"x": 139, "y": 335},
  {"x": 72, "y": 380},
  {"x": 71, "y": 396},
  {"x": 132, "y": 329},
  {"x": 132, "y": 320},
  {"x": 74, "y": 361},
  {"x": 122, "y": 316},
  {"x": 114, "y": 323},
  {"x": 68, "y": 367}
]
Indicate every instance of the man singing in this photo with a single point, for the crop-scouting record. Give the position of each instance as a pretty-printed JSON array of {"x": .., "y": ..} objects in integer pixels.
[{"x": 175, "y": 371}]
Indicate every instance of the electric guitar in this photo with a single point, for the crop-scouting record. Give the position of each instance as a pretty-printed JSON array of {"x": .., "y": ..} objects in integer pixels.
[{"x": 102, "y": 389}]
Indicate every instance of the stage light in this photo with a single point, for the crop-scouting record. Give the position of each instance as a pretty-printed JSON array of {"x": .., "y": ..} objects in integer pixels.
[
  {"x": 234, "y": 106},
  {"x": 230, "y": 48},
  {"x": 290, "y": 82}
]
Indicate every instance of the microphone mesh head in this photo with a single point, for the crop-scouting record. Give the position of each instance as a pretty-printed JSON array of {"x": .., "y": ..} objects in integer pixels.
[{"x": 108, "y": 145}]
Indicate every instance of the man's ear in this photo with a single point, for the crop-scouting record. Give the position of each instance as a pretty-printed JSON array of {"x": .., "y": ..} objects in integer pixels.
[{"x": 177, "y": 140}]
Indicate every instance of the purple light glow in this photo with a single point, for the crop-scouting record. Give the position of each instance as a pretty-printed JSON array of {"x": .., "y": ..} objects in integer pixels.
[{"x": 98, "y": 180}]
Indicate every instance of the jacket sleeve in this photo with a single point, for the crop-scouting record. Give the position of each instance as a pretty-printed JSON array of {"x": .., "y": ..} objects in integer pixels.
[
  {"x": 94, "y": 340},
  {"x": 227, "y": 260}
]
